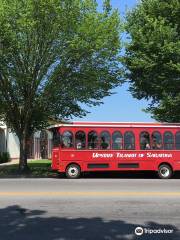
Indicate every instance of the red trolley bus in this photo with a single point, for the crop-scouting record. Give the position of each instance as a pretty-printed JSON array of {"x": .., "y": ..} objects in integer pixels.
[{"x": 101, "y": 146}]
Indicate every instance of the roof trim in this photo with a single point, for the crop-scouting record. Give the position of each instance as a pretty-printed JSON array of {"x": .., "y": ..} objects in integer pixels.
[{"x": 132, "y": 125}]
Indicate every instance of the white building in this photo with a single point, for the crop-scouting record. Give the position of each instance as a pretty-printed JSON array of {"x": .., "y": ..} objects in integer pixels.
[{"x": 39, "y": 145}]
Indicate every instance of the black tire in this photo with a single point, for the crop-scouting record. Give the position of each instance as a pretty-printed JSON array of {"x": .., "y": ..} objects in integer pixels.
[
  {"x": 73, "y": 171},
  {"x": 165, "y": 171}
]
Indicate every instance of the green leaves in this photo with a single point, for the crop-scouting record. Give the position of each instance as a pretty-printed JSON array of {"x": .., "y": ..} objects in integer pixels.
[
  {"x": 55, "y": 55},
  {"x": 153, "y": 53}
]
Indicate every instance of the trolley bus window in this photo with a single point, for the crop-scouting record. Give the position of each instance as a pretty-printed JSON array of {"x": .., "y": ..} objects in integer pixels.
[
  {"x": 80, "y": 140},
  {"x": 129, "y": 141},
  {"x": 144, "y": 141},
  {"x": 67, "y": 139},
  {"x": 117, "y": 140},
  {"x": 177, "y": 137},
  {"x": 92, "y": 140},
  {"x": 156, "y": 140},
  {"x": 105, "y": 140},
  {"x": 56, "y": 138},
  {"x": 168, "y": 141}
]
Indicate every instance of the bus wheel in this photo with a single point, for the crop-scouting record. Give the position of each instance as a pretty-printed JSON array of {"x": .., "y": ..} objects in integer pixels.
[
  {"x": 73, "y": 171},
  {"x": 165, "y": 171}
]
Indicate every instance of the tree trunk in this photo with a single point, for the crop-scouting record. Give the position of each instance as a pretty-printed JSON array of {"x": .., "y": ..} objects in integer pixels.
[{"x": 23, "y": 167}]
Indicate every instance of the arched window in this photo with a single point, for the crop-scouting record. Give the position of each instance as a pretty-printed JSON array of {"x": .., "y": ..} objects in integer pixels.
[
  {"x": 80, "y": 140},
  {"x": 92, "y": 140},
  {"x": 117, "y": 140},
  {"x": 144, "y": 141},
  {"x": 67, "y": 139},
  {"x": 105, "y": 140},
  {"x": 129, "y": 141},
  {"x": 168, "y": 141},
  {"x": 177, "y": 139},
  {"x": 156, "y": 140}
]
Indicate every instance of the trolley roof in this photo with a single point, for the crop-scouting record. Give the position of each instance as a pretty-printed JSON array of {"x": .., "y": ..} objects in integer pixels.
[{"x": 116, "y": 124}]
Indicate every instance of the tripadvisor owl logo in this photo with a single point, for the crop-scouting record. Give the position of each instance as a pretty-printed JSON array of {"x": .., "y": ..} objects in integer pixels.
[{"x": 139, "y": 231}]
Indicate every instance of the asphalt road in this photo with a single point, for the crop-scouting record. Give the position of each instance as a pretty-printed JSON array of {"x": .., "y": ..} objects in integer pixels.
[{"x": 89, "y": 209}]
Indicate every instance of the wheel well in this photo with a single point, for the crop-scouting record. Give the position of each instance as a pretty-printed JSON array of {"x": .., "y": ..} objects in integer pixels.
[
  {"x": 166, "y": 164},
  {"x": 73, "y": 163}
]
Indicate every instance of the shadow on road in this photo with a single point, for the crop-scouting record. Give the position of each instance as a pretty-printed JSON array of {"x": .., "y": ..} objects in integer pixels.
[{"x": 23, "y": 224}]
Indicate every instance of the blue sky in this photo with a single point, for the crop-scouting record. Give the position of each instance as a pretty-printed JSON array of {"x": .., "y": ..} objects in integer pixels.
[{"x": 119, "y": 107}]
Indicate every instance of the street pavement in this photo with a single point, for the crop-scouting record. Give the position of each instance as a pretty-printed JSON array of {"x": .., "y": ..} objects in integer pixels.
[{"x": 89, "y": 209}]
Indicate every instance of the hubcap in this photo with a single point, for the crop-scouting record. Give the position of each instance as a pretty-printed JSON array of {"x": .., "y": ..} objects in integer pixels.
[
  {"x": 73, "y": 171},
  {"x": 165, "y": 172}
]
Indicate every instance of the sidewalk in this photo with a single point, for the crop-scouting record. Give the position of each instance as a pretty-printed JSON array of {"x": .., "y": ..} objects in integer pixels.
[
  {"x": 15, "y": 161},
  {"x": 9, "y": 163}
]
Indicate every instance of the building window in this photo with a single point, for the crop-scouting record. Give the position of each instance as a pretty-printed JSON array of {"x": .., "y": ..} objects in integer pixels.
[
  {"x": 2, "y": 141},
  {"x": 67, "y": 139},
  {"x": 177, "y": 138},
  {"x": 129, "y": 141},
  {"x": 117, "y": 140},
  {"x": 92, "y": 140},
  {"x": 156, "y": 140},
  {"x": 144, "y": 141},
  {"x": 44, "y": 144},
  {"x": 168, "y": 141},
  {"x": 80, "y": 140},
  {"x": 105, "y": 140}
]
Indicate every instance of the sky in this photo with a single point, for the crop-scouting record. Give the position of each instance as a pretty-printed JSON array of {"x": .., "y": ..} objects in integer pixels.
[{"x": 121, "y": 106}]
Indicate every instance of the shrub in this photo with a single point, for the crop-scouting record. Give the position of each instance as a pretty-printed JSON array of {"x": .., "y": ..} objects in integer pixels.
[{"x": 4, "y": 157}]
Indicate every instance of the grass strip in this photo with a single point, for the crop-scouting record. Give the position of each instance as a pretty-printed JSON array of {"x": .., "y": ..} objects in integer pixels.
[{"x": 38, "y": 169}]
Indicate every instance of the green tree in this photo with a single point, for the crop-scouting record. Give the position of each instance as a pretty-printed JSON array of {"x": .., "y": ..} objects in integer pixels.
[
  {"x": 152, "y": 57},
  {"x": 55, "y": 56}
]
